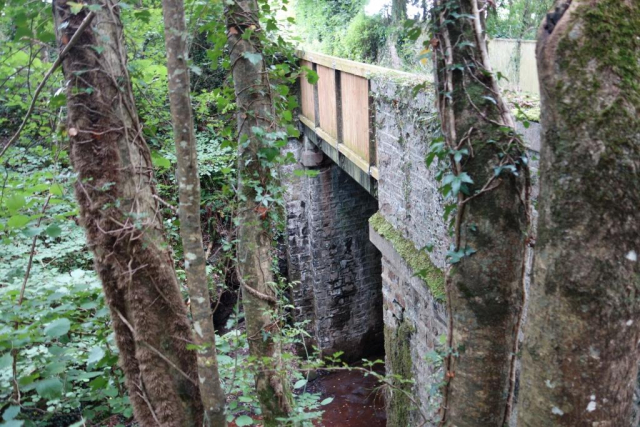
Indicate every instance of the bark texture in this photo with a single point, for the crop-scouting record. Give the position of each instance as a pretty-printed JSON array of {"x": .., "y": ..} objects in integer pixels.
[
  {"x": 255, "y": 233},
  {"x": 580, "y": 358},
  {"x": 175, "y": 34},
  {"x": 398, "y": 10},
  {"x": 485, "y": 292},
  {"x": 115, "y": 191}
]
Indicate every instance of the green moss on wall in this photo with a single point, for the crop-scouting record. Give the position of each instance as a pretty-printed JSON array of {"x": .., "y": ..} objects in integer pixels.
[
  {"x": 419, "y": 261},
  {"x": 397, "y": 344}
]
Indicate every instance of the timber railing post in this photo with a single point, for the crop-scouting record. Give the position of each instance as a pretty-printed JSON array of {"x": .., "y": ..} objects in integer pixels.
[
  {"x": 339, "y": 123},
  {"x": 373, "y": 149},
  {"x": 316, "y": 98}
]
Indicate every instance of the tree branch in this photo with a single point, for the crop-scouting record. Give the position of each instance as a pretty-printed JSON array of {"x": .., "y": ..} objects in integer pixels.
[{"x": 74, "y": 39}]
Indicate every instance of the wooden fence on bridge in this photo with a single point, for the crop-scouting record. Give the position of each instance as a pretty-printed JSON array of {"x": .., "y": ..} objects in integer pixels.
[{"x": 339, "y": 108}]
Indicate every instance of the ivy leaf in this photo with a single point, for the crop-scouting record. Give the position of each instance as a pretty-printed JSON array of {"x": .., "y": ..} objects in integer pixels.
[
  {"x": 159, "y": 161},
  {"x": 326, "y": 401},
  {"x": 58, "y": 100},
  {"x": 312, "y": 76},
  {"x": 196, "y": 70},
  {"x": 95, "y": 355},
  {"x": 455, "y": 256},
  {"x": 292, "y": 131},
  {"x": 254, "y": 58},
  {"x": 490, "y": 99},
  {"x": 53, "y": 230},
  {"x": 283, "y": 90},
  {"x": 10, "y": 413},
  {"x": 49, "y": 388},
  {"x": 418, "y": 88},
  {"x": 300, "y": 384},
  {"x": 414, "y": 33},
  {"x": 56, "y": 190},
  {"x": 501, "y": 76},
  {"x": 32, "y": 231},
  {"x": 5, "y": 361},
  {"x": 464, "y": 44},
  {"x": 75, "y": 7},
  {"x": 244, "y": 420},
  {"x": 57, "y": 328}
]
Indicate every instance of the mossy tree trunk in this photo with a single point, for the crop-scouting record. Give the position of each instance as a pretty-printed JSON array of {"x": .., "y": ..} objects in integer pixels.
[
  {"x": 485, "y": 283},
  {"x": 580, "y": 358},
  {"x": 188, "y": 180},
  {"x": 256, "y": 176},
  {"x": 119, "y": 211}
]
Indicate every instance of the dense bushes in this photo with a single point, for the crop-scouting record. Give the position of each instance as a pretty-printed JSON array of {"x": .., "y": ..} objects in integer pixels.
[{"x": 363, "y": 38}]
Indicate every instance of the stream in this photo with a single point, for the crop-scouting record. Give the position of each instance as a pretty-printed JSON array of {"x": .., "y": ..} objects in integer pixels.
[{"x": 356, "y": 401}]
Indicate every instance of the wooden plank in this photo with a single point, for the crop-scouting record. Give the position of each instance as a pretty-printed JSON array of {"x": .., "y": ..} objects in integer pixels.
[
  {"x": 373, "y": 141},
  {"x": 306, "y": 95},
  {"x": 308, "y": 123},
  {"x": 529, "y": 69},
  {"x": 327, "y": 101},
  {"x": 357, "y": 68},
  {"x": 327, "y": 138},
  {"x": 355, "y": 114},
  {"x": 354, "y": 158},
  {"x": 375, "y": 174}
]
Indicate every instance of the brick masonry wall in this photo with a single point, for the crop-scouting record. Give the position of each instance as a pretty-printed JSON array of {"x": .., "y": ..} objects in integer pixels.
[
  {"x": 409, "y": 200},
  {"x": 339, "y": 269},
  {"x": 344, "y": 279}
]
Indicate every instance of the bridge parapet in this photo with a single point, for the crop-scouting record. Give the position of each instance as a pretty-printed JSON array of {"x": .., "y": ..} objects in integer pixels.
[
  {"x": 375, "y": 128},
  {"x": 339, "y": 108}
]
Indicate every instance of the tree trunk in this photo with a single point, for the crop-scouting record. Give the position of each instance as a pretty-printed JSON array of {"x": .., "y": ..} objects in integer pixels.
[
  {"x": 188, "y": 180},
  {"x": 116, "y": 194},
  {"x": 485, "y": 286},
  {"x": 398, "y": 10},
  {"x": 255, "y": 235},
  {"x": 580, "y": 358}
]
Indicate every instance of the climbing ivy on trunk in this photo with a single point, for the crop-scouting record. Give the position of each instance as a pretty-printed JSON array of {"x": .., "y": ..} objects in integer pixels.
[
  {"x": 119, "y": 210},
  {"x": 259, "y": 191},
  {"x": 486, "y": 180}
]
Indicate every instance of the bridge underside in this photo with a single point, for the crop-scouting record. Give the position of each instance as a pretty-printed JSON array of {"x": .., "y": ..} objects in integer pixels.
[{"x": 329, "y": 253}]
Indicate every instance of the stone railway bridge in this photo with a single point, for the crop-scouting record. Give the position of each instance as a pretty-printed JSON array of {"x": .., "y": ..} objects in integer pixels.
[{"x": 357, "y": 226}]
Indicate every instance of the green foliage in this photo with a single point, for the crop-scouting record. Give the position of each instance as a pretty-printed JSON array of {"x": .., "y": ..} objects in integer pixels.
[
  {"x": 56, "y": 347},
  {"x": 362, "y": 39},
  {"x": 517, "y": 19},
  {"x": 322, "y": 22},
  {"x": 58, "y": 358}
]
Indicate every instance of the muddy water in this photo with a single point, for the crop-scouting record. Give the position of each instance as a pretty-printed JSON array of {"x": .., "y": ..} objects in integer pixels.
[{"x": 356, "y": 403}]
